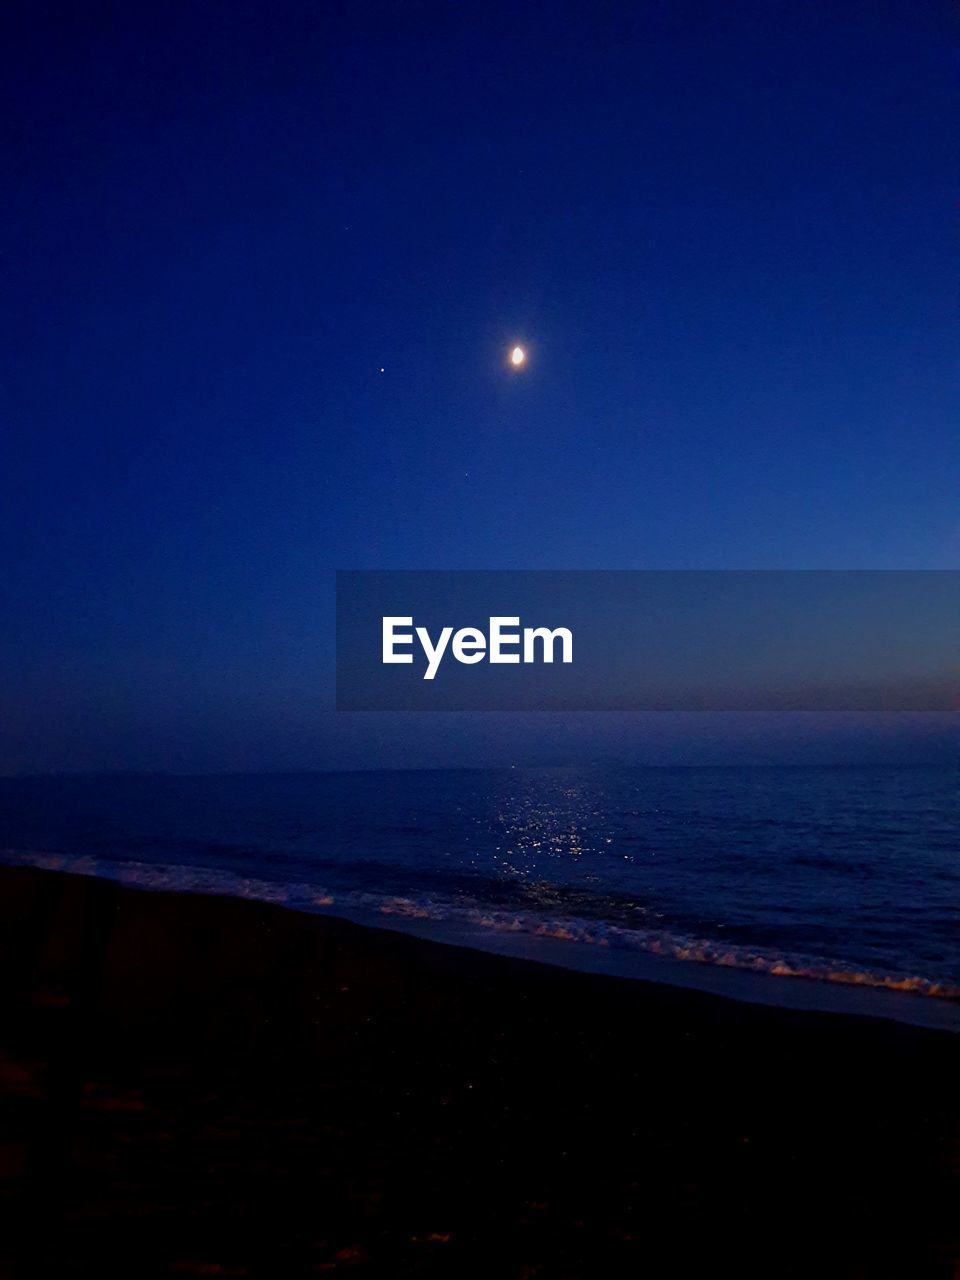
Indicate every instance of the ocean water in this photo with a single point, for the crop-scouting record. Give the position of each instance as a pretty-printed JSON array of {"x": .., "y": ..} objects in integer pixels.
[{"x": 841, "y": 875}]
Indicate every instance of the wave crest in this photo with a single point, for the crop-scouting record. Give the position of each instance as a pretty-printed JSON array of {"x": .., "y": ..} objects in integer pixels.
[{"x": 312, "y": 897}]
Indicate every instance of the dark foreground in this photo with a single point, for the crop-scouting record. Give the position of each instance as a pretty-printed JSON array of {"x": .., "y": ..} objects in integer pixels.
[{"x": 204, "y": 1086}]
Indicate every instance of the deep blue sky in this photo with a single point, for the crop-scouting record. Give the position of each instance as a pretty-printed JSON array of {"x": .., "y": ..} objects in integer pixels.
[{"x": 726, "y": 232}]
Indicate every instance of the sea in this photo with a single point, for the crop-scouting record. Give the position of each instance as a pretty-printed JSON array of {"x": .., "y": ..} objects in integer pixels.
[{"x": 828, "y": 887}]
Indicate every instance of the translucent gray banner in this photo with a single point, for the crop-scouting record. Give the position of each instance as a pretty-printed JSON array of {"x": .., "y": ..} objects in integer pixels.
[{"x": 648, "y": 640}]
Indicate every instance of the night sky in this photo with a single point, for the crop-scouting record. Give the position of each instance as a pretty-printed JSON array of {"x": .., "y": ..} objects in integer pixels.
[{"x": 724, "y": 232}]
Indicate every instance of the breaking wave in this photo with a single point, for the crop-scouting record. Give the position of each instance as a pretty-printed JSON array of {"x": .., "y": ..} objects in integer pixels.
[{"x": 474, "y": 915}]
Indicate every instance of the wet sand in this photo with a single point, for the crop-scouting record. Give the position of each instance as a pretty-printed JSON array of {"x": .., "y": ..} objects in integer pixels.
[{"x": 205, "y": 1086}]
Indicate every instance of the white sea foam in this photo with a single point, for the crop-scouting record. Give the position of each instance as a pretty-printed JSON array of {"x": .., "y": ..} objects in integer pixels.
[{"x": 473, "y": 916}]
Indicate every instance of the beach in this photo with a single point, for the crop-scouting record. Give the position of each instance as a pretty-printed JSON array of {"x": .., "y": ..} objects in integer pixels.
[{"x": 201, "y": 1085}]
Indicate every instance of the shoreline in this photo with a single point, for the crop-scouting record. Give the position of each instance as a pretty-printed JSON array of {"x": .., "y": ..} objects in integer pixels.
[
  {"x": 846, "y": 992},
  {"x": 724, "y": 982},
  {"x": 273, "y": 1092}
]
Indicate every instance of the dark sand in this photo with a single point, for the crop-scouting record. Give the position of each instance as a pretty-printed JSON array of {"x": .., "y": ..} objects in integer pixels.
[{"x": 202, "y": 1086}]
